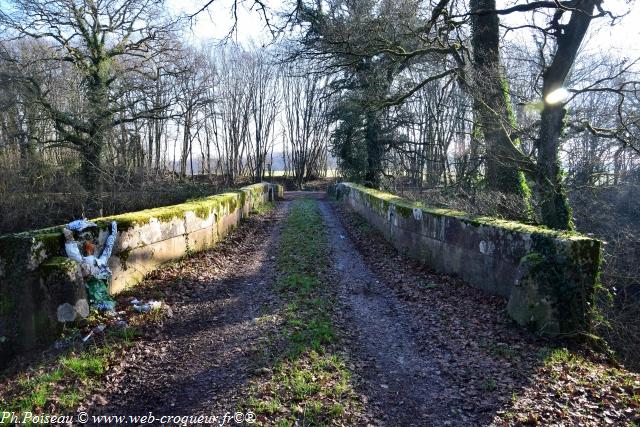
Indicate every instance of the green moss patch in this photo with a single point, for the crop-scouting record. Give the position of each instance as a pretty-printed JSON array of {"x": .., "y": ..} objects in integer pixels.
[
  {"x": 58, "y": 386},
  {"x": 202, "y": 208},
  {"x": 381, "y": 201},
  {"x": 263, "y": 208},
  {"x": 566, "y": 277},
  {"x": 59, "y": 263}
]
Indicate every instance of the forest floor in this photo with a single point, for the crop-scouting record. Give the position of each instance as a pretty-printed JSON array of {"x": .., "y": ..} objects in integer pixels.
[{"x": 306, "y": 316}]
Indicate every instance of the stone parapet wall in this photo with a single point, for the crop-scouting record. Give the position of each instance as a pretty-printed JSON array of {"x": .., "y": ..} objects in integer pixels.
[
  {"x": 547, "y": 276},
  {"x": 39, "y": 286}
]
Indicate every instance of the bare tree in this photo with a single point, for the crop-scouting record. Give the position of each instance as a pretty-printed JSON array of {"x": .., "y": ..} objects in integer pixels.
[
  {"x": 192, "y": 84},
  {"x": 103, "y": 40},
  {"x": 306, "y": 126},
  {"x": 236, "y": 95},
  {"x": 265, "y": 108}
]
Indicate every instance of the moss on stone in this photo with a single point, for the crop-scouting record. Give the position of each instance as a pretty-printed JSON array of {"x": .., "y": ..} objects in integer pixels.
[
  {"x": 58, "y": 264},
  {"x": 566, "y": 276},
  {"x": 7, "y": 303},
  {"x": 6, "y": 250},
  {"x": 532, "y": 258},
  {"x": 407, "y": 206},
  {"x": 404, "y": 211},
  {"x": 202, "y": 208},
  {"x": 124, "y": 257},
  {"x": 45, "y": 327},
  {"x": 35, "y": 233},
  {"x": 20, "y": 252},
  {"x": 52, "y": 242}
]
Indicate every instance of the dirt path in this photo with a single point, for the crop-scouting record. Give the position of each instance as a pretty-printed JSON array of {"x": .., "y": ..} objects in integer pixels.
[
  {"x": 204, "y": 358},
  {"x": 203, "y": 355},
  {"x": 401, "y": 380}
]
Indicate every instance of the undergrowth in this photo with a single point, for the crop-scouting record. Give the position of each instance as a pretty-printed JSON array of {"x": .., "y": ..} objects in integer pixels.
[{"x": 263, "y": 208}]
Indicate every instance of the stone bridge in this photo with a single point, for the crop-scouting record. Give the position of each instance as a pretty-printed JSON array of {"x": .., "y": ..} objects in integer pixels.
[{"x": 547, "y": 277}]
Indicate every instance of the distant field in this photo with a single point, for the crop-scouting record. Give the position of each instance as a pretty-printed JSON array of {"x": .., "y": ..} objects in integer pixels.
[{"x": 331, "y": 173}]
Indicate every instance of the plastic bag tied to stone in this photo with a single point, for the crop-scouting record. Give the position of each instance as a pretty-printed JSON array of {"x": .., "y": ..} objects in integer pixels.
[{"x": 95, "y": 269}]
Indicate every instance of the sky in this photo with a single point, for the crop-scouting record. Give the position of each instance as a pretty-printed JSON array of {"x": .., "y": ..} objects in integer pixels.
[
  {"x": 624, "y": 36},
  {"x": 217, "y": 21}
]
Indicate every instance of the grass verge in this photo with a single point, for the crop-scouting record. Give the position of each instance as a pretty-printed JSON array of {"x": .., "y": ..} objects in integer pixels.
[
  {"x": 59, "y": 385},
  {"x": 309, "y": 384},
  {"x": 263, "y": 208}
]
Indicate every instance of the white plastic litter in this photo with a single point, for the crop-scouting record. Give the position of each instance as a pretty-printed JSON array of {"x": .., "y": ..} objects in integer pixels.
[
  {"x": 142, "y": 307},
  {"x": 80, "y": 225}
]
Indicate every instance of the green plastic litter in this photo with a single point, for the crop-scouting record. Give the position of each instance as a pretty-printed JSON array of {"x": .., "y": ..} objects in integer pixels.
[{"x": 98, "y": 293}]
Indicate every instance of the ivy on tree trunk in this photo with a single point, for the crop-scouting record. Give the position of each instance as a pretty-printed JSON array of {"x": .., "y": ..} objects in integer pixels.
[
  {"x": 555, "y": 209},
  {"x": 492, "y": 104}
]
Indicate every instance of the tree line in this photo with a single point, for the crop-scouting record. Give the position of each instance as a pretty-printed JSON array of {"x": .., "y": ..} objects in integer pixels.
[{"x": 109, "y": 91}]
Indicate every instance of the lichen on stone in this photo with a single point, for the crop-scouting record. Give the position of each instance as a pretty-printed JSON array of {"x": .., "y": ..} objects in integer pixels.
[
  {"x": 58, "y": 264},
  {"x": 123, "y": 255},
  {"x": 7, "y": 304},
  {"x": 565, "y": 274}
]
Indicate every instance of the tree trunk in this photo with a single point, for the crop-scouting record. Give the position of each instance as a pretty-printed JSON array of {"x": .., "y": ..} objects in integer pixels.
[
  {"x": 90, "y": 173},
  {"x": 554, "y": 205},
  {"x": 375, "y": 151},
  {"x": 150, "y": 145},
  {"x": 491, "y": 95},
  {"x": 184, "y": 155}
]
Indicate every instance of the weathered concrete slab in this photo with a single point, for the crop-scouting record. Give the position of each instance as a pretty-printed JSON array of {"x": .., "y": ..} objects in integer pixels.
[
  {"x": 40, "y": 287},
  {"x": 547, "y": 276}
]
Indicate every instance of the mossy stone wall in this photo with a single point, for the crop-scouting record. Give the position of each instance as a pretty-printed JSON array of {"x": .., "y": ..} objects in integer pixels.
[
  {"x": 36, "y": 279},
  {"x": 548, "y": 276}
]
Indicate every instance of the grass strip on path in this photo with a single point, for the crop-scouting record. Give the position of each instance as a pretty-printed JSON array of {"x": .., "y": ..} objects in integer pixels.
[{"x": 309, "y": 384}]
